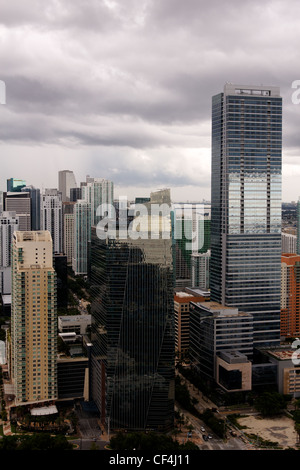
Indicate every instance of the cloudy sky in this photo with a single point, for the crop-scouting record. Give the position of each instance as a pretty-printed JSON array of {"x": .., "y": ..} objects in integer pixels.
[{"x": 121, "y": 89}]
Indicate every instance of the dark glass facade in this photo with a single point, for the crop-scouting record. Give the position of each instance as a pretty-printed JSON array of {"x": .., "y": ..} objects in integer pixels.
[
  {"x": 132, "y": 332},
  {"x": 230, "y": 379},
  {"x": 71, "y": 375},
  {"x": 246, "y": 205}
]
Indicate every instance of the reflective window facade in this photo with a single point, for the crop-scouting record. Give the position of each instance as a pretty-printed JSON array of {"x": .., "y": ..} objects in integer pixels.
[
  {"x": 191, "y": 234},
  {"x": 246, "y": 205},
  {"x": 133, "y": 332}
]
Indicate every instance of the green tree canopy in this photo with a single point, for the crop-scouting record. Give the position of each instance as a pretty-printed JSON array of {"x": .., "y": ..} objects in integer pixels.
[
  {"x": 35, "y": 442},
  {"x": 270, "y": 403},
  {"x": 147, "y": 442}
]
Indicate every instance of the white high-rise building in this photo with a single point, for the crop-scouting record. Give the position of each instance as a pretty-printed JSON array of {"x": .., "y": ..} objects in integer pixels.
[
  {"x": 66, "y": 181},
  {"x": 51, "y": 217},
  {"x": 68, "y": 223},
  {"x": 9, "y": 222},
  {"x": 288, "y": 243},
  {"x": 96, "y": 192},
  {"x": 200, "y": 269}
]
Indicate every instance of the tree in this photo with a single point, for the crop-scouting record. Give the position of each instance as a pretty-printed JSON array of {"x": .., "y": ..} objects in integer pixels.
[
  {"x": 216, "y": 424},
  {"x": 9, "y": 443},
  {"x": 182, "y": 395},
  {"x": 35, "y": 442},
  {"x": 297, "y": 429},
  {"x": 297, "y": 404},
  {"x": 189, "y": 445},
  {"x": 147, "y": 442},
  {"x": 270, "y": 403}
]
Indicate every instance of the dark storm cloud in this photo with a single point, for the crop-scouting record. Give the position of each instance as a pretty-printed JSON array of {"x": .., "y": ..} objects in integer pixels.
[
  {"x": 51, "y": 14},
  {"x": 138, "y": 169},
  {"x": 140, "y": 74}
]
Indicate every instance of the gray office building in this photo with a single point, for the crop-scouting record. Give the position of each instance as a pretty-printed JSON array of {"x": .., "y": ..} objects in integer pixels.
[
  {"x": 245, "y": 266},
  {"x": 20, "y": 203},
  {"x": 66, "y": 181},
  {"x": 216, "y": 330}
]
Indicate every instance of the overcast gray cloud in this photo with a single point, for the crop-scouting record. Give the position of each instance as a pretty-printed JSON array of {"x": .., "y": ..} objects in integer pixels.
[{"x": 122, "y": 89}]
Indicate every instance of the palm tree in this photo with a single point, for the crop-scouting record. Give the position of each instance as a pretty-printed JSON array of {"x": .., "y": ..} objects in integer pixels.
[
  {"x": 297, "y": 429},
  {"x": 297, "y": 404}
]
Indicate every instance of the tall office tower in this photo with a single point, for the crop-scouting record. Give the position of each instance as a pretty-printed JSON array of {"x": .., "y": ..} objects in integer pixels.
[
  {"x": 66, "y": 181},
  {"x": 35, "y": 206},
  {"x": 82, "y": 237},
  {"x": 200, "y": 269},
  {"x": 20, "y": 203},
  {"x": 133, "y": 331},
  {"x": 9, "y": 222},
  {"x": 15, "y": 185},
  {"x": 1, "y": 201},
  {"x": 33, "y": 318},
  {"x": 68, "y": 231},
  {"x": 51, "y": 217},
  {"x": 290, "y": 295},
  {"x": 98, "y": 191},
  {"x": 246, "y": 205}
]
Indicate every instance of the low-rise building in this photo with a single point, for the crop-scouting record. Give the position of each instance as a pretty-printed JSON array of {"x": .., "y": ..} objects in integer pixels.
[
  {"x": 233, "y": 371},
  {"x": 74, "y": 324},
  {"x": 217, "y": 335},
  {"x": 288, "y": 369}
]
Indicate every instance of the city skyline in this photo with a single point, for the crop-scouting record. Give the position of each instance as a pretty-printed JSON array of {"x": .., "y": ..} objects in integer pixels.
[{"x": 124, "y": 93}]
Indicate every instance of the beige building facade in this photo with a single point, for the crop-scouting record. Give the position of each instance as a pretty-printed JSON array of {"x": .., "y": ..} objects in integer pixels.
[{"x": 34, "y": 318}]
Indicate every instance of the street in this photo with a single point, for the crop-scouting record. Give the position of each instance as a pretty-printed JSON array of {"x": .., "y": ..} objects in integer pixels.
[
  {"x": 237, "y": 442},
  {"x": 90, "y": 431}
]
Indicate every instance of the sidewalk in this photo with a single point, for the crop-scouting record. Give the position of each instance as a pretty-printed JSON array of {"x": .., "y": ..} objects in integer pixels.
[{"x": 104, "y": 435}]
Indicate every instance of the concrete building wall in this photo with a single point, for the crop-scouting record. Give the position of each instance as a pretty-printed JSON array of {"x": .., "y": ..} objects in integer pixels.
[{"x": 34, "y": 318}]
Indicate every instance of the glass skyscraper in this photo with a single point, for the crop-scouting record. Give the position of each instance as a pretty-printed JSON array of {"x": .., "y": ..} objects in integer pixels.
[
  {"x": 35, "y": 205},
  {"x": 133, "y": 332},
  {"x": 82, "y": 237},
  {"x": 246, "y": 205}
]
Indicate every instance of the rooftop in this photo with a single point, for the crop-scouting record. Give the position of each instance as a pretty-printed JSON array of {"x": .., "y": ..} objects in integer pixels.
[
  {"x": 282, "y": 354},
  {"x": 72, "y": 318},
  {"x": 36, "y": 236},
  {"x": 218, "y": 310}
]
